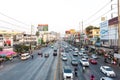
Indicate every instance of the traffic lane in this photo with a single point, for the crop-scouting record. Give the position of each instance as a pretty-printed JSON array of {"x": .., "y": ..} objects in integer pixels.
[
  {"x": 114, "y": 67},
  {"x": 92, "y": 69},
  {"x": 22, "y": 70},
  {"x": 80, "y": 74},
  {"x": 46, "y": 70},
  {"x": 28, "y": 67}
]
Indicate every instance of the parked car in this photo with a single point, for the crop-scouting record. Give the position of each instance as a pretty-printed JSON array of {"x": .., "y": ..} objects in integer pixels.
[
  {"x": 108, "y": 71},
  {"x": 67, "y": 73},
  {"x": 84, "y": 62},
  {"x": 106, "y": 78}
]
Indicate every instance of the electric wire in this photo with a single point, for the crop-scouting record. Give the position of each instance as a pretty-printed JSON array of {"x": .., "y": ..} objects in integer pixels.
[
  {"x": 98, "y": 11},
  {"x": 99, "y": 17},
  {"x": 12, "y": 24},
  {"x": 14, "y": 19}
]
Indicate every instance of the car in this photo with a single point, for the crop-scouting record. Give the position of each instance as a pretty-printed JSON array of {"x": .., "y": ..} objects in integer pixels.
[
  {"x": 108, "y": 71},
  {"x": 25, "y": 56},
  {"x": 106, "y": 78},
  {"x": 46, "y": 55},
  {"x": 64, "y": 58},
  {"x": 74, "y": 62},
  {"x": 75, "y": 54},
  {"x": 93, "y": 61},
  {"x": 67, "y": 73},
  {"x": 63, "y": 53},
  {"x": 40, "y": 53},
  {"x": 55, "y": 52},
  {"x": 94, "y": 56},
  {"x": 85, "y": 56},
  {"x": 84, "y": 62}
]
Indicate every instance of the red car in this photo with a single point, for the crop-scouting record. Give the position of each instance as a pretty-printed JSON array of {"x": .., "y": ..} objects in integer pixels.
[{"x": 93, "y": 61}]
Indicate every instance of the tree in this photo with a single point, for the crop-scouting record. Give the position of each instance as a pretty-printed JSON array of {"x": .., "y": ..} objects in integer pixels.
[
  {"x": 37, "y": 33},
  {"x": 88, "y": 29}
]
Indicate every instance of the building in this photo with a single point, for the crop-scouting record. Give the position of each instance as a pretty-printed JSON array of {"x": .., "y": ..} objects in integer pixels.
[
  {"x": 7, "y": 38},
  {"x": 93, "y": 35}
]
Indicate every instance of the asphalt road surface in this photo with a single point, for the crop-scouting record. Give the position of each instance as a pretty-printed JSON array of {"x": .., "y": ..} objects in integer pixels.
[{"x": 41, "y": 68}]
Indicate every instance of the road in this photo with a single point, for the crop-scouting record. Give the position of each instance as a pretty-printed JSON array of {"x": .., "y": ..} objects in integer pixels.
[
  {"x": 92, "y": 69},
  {"x": 41, "y": 68}
]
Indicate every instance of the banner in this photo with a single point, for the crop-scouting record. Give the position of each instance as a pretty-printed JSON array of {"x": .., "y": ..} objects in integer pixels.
[
  {"x": 104, "y": 34},
  {"x": 42, "y": 27}
]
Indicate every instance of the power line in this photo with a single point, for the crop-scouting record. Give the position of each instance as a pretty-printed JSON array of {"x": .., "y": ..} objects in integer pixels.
[
  {"x": 12, "y": 24},
  {"x": 98, "y": 11},
  {"x": 14, "y": 19},
  {"x": 99, "y": 17}
]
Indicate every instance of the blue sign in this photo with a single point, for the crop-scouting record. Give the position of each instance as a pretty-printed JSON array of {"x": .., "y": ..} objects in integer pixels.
[{"x": 104, "y": 34}]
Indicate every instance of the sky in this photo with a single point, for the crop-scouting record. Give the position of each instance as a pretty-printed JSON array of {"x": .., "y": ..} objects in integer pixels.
[{"x": 60, "y": 15}]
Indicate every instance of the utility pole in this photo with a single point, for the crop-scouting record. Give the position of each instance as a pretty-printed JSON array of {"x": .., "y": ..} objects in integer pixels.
[
  {"x": 31, "y": 39},
  {"x": 82, "y": 27},
  {"x": 118, "y": 26}
]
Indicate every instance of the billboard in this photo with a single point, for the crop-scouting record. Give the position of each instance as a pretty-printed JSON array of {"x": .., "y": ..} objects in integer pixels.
[
  {"x": 42, "y": 27},
  {"x": 104, "y": 34},
  {"x": 113, "y": 32},
  {"x": 67, "y": 32}
]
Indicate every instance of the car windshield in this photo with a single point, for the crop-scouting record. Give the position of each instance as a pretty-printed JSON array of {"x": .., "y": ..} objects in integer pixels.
[
  {"x": 74, "y": 60},
  {"x": 67, "y": 71},
  {"x": 84, "y": 60},
  {"x": 108, "y": 69}
]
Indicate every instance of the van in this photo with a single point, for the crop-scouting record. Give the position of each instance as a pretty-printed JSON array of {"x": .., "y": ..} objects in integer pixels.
[{"x": 25, "y": 56}]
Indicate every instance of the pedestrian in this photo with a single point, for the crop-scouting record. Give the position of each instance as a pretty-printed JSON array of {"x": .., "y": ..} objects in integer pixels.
[{"x": 32, "y": 56}]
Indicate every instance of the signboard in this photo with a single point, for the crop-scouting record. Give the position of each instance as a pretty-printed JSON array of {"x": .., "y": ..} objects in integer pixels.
[
  {"x": 67, "y": 32},
  {"x": 104, "y": 35},
  {"x": 72, "y": 31},
  {"x": 113, "y": 21},
  {"x": 113, "y": 32},
  {"x": 117, "y": 55},
  {"x": 42, "y": 27}
]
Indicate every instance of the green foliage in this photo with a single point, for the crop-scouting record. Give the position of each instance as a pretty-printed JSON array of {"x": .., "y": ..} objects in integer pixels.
[
  {"x": 21, "y": 48},
  {"x": 98, "y": 39},
  {"x": 37, "y": 33},
  {"x": 1, "y": 48},
  {"x": 90, "y": 28}
]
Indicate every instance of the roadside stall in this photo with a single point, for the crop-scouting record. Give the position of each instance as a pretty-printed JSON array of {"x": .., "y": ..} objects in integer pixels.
[{"x": 7, "y": 54}]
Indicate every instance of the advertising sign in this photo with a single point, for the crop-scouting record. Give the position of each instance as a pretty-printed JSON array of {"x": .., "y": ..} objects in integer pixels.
[
  {"x": 42, "y": 27},
  {"x": 113, "y": 32},
  {"x": 104, "y": 34}
]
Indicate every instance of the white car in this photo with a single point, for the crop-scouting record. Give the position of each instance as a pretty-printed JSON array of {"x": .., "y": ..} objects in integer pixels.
[
  {"x": 105, "y": 78},
  {"x": 63, "y": 53},
  {"x": 84, "y": 62},
  {"x": 108, "y": 71},
  {"x": 81, "y": 52},
  {"x": 85, "y": 56},
  {"x": 67, "y": 73},
  {"x": 25, "y": 56},
  {"x": 64, "y": 58}
]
